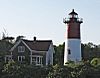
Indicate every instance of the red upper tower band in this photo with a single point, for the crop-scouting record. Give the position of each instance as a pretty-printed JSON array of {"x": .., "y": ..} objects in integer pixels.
[{"x": 73, "y": 23}]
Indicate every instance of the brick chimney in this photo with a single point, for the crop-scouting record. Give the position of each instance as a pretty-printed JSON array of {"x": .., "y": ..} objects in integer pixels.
[{"x": 34, "y": 38}]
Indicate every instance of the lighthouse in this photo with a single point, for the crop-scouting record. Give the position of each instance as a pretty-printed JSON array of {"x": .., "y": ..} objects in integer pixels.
[{"x": 73, "y": 38}]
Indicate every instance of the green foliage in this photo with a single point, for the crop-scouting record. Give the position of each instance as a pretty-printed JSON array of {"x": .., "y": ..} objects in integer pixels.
[
  {"x": 59, "y": 72},
  {"x": 11, "y": 70},
  {"x": 14, "y": 70},
  {"x": 5, "y": 46},
  {"x": 95, "y": 62},
  {"x": 84, "y": 69},
  {"x": 90, "y": 51},
  {"x": 59, "y": 54},
  {"x": 19, "y": 37}
]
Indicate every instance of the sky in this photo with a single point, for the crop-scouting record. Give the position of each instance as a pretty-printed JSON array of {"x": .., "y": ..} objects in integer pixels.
[{"x": 44, "y": 19}]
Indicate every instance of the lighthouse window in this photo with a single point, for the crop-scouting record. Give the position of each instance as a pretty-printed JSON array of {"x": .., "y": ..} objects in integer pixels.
[{"x": 69, "y": 52}]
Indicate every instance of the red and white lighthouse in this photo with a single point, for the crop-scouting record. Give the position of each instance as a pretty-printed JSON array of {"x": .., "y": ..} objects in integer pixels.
[{"x": 73, "y": 40}]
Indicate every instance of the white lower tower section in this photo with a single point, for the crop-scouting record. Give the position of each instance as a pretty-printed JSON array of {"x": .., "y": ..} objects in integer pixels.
[
  {"x": 74, "y": 45},
  {"x": 75, "y": 49},
  {"x": 65, "y": 53}
]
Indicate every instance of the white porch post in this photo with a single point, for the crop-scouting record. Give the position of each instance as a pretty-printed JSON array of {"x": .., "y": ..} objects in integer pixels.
[
  {"x": 31, "y": 58},
  {"x": 5, "y": 59},
  {"x": 11, "y": 56}
]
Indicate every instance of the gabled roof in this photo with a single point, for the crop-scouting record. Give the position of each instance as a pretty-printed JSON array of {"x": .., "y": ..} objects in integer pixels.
[{"x": 38, "y": 45}]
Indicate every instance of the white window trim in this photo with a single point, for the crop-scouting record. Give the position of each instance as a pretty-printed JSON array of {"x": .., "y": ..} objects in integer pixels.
[
  {"x": 22, "y": 57},
  {"x": 37, "y": 62},
  {"x": 21, "y": 48},
  {"x": 8, "y": 57}
]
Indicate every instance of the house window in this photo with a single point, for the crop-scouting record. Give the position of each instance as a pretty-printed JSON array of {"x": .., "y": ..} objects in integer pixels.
[
  {"x": 21, "y": 58},
  {"x": 37, "y": 60},
  {"x": 8, "y": 58},
  {"x": 21, "y": 48},
  {"x": 34, "y": 60}
]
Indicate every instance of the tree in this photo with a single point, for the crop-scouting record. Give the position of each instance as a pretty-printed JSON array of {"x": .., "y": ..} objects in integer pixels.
[
  {"x": 90, "y": 51},
  {"x": 9, "y": 39},
  {"x": 95, "y": 62},
  {"x": 59, "y": 54},
  {"x": 19, "y": 37},
  {"x": 59, "y": 72},
  {"x": 5, "y": 46}
]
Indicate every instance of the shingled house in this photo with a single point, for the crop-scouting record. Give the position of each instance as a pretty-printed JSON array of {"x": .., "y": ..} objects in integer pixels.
[{"x": 38, "y": 52}]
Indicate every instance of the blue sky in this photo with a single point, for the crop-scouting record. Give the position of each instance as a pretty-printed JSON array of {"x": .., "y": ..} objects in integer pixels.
[{"x": 44, "y": 18}]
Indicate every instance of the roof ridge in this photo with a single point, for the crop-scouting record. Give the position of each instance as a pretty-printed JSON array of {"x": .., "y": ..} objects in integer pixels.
[{"x": 36, "y": 40}]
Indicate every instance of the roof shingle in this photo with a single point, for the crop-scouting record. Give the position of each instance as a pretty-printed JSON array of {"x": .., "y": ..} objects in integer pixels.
[{"x": 38, "y": 45}]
